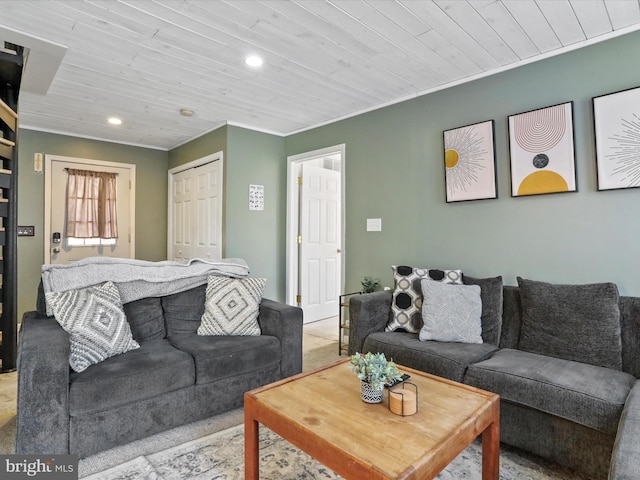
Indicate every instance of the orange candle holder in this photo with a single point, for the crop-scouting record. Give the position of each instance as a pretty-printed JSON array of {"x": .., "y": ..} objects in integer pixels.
[{"x": 402, "y": 400}]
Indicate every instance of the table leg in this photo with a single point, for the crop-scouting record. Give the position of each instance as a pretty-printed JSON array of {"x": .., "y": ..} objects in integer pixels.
[
  {"x": 251, "y": 448},
  {"x": 491, "y": 452}
]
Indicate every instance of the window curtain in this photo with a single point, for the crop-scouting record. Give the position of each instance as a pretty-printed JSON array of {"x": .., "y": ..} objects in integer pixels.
[{"x": 91, "y": 204}]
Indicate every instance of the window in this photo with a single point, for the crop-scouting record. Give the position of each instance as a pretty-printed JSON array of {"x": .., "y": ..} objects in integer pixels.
[{"x": 91, "y": 208}]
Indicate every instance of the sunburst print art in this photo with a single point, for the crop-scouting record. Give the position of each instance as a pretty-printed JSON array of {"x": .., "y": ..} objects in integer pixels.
[
  {"x": 470, "y": 162},
  {"x": 617, "y": 129}
]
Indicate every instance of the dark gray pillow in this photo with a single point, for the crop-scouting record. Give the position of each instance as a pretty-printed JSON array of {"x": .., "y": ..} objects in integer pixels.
[
  {"x": 146, "y": 318},
  {"x": 573, "y": 322},
  {"x": 183, "y": 311},
  {"x": 492, "y": 301}
]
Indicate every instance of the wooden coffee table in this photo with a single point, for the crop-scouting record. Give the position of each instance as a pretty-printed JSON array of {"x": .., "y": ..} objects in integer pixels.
[{"x": 321, "y": 413}]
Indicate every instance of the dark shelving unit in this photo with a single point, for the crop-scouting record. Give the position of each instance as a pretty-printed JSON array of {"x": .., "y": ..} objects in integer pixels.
[
  {"x": 11, "y": 63},
  {"x": 343, "y": 323}
]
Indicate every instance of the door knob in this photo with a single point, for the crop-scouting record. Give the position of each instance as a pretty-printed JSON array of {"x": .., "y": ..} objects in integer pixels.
[
  {"x": 339, "y": 250},
  {"x": 55, "y": 250}
]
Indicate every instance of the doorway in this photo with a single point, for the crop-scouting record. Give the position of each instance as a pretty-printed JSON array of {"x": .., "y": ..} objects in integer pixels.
[
  {"x": 57, "y": 247},
  {"x": 315, "y": 231},
  {"x": 195, "y": 209}
]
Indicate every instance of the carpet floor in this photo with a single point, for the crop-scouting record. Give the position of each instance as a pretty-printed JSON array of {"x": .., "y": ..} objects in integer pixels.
[{"x": 220, "y": 456}]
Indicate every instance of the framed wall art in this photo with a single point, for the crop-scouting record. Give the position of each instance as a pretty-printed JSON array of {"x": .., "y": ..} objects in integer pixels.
[
  {"x": 470, "y": 162},
  {"x": 616, "y": 118},
  {"x": 542, "y": 151}
]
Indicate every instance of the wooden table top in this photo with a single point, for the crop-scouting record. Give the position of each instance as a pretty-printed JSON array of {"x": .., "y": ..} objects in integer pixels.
[{"x": 322, "y": 413}]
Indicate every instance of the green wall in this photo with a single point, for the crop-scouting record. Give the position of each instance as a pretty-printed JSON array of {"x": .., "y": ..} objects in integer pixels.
[
  {"x": 212, "y": 142},
  {"x": 151, "y": 200},
  {"x": 394, "y": 170},
  {"x": 258, "y": 236},
  {"x": 250, "y": 157}
]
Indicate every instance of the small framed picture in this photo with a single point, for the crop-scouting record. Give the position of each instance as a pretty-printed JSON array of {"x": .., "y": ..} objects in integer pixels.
[
  {"x": 616, "y": 118},
  {"x": 470, "y": 162},
  {"x": 542, "y": 151},
  {"x": 256, "y": 197}
]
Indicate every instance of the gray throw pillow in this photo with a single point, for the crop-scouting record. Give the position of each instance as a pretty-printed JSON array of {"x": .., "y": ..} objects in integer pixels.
[
  {"x": 451, "y": 313},
  {"x": 406, "y": 306},
  {"x": 572, "y": 322},
  {"x": 95, "y": 321},
  {"x": 491, "y": 293},
  {"x": 232, "y": 306}
]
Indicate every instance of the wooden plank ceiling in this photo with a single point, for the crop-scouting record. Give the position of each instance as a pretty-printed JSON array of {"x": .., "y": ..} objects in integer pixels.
[{"x": 145, "y": 60}]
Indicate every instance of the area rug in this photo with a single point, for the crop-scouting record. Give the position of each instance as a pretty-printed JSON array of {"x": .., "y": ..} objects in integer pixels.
[{"x": 220, "y": 456}]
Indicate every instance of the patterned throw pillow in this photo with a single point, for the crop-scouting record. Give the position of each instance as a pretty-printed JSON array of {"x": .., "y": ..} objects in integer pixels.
[
  {"x": 95, "y": 321},
  {"x": 232, "y": 306},
  {"x": 406, "y": 307},
  {"x": 451, "y": 313}
]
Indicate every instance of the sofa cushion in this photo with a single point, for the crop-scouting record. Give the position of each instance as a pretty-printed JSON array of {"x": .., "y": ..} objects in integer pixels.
[
  {"x": 95, "y": 321},
  {"x": 573, "y": 322},
  {"x": 183, "y": 311},
  {"x": 146, "y": 372},
  {"x": 585, "y": 394},
  {"x": 491, "y": 294},
  {"x": 445, "y": 359},
  {"x": 146, "y": 318},
  {"x": 232, "y": 306},
  {"x": 406, "y": 306},
  {"x": 219, "y": 357},
  {"x": 451, "y": 313}
]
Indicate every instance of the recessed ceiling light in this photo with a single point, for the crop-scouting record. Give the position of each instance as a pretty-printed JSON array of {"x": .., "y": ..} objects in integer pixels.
[
  {"x": 253, "y": 61},
  {"x": 185, "y": 112},
  {"x": 115, "y": 121}
]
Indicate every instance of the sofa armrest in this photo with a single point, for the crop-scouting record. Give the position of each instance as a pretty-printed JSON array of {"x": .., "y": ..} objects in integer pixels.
[
  {"x": 284, "y": 322},
  {"x": 625, "y": 459},
  {"x": 43, "y": 386},
  {"x": 368, "y": 313}
]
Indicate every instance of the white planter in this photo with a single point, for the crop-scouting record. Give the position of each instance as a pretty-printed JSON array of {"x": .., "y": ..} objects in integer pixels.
[{"x": 370, "y": 394}]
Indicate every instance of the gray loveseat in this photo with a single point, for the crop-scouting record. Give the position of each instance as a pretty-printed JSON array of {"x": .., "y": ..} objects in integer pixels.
[
  {"x": 175, "y": 377},
  {"x": 569, "y": 389}
]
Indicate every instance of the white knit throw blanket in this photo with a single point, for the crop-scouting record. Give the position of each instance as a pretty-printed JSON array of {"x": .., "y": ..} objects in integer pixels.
[{"x": 137, "y": 279}]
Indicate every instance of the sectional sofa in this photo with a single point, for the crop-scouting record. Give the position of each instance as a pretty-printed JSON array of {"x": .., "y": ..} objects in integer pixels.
[{"x": 565, "y": 360}]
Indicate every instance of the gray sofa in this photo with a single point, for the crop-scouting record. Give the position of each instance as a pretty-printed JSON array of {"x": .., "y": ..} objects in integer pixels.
[
  {"x": 175, "y": 377},
  {"x": 569, "y": 389}
]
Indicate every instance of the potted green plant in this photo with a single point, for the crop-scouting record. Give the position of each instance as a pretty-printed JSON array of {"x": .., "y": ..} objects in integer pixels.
[
  {"x": 369, "y": 284},
  {"x": 374, "y": 372}
]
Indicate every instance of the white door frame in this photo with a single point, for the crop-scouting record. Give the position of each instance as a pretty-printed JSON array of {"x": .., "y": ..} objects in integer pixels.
[
  {"x": 293, "y": 164},
  {"x": 86, "y": 162},
  {"x": 214, "y": 157}
]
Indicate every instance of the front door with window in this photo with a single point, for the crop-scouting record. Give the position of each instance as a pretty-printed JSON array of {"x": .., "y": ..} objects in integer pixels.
[{"x": 61, "y": 249}]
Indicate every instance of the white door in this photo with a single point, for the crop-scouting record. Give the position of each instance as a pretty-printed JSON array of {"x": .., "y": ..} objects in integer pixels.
[
  {"x": 57, "y": 246},
  {"x": 320, "y": 243},
  {"x": 195, "y": 226},
  {"x": 182, "y": 247}
]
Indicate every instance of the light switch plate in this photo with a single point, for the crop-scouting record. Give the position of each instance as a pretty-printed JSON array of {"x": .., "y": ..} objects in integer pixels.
[
  {"x": 26, "y": 231},
  {"x": 374, "y": 224}
]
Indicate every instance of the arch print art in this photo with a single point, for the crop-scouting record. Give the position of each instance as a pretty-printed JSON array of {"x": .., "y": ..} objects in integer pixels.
[
  {"x": 541, "y": 146},
  {"x": 470, "y": 162}
]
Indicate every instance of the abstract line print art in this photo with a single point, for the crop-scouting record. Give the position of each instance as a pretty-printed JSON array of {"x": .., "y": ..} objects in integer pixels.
[
  {"x": 617, "y": 131},
  {"x": 542, "y": 151},
  {"x": 470, "y": 162}
]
